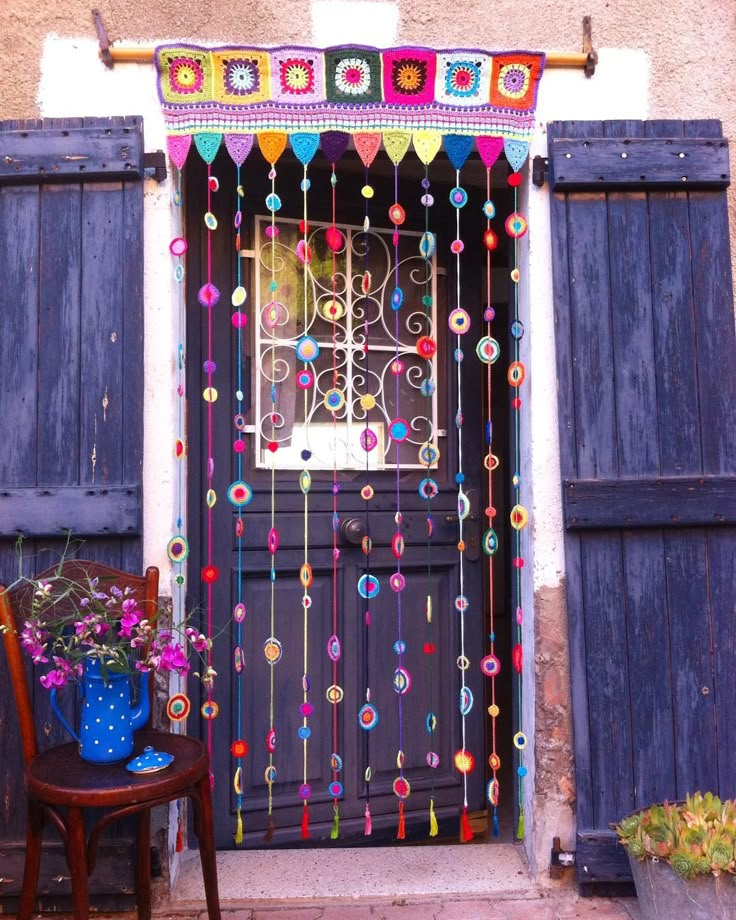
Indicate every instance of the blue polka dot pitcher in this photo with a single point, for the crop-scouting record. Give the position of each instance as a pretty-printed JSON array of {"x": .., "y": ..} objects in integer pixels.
[{"x": 108, "y": 721}]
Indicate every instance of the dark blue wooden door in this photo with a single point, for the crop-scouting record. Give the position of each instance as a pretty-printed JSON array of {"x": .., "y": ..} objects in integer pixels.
[
  {"x": 646, "y": 364},
  {"x": 289, "y": 504},
  {"x": 71, "y": 402}
]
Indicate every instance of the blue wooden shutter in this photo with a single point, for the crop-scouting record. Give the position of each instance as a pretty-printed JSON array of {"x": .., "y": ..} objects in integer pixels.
[
  {"x": 646, "y": 366},
  {"x": 71, "y": 396}
]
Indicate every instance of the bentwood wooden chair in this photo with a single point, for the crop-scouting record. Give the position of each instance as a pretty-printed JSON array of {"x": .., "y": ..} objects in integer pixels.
[{"x": 61, "y": 785}]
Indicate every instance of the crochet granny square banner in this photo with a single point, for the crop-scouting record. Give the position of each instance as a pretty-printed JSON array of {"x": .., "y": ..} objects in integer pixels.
[{"x": 353, "y": 89}]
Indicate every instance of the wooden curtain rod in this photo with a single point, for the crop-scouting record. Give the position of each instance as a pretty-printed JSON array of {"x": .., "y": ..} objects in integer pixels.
[
  {"x": 129, "y": 55},
  {"x": 111, "y": 55}
]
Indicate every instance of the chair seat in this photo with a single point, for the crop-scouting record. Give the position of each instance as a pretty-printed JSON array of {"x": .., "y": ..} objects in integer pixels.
[{"x": 60, "y": 777}]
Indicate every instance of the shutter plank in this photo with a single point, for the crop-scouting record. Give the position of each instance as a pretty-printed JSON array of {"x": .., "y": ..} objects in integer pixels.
[
  {"x": 19, "y": 250},
  {"x": 39, "y": 152},
  {"x": 696, "y": 750},
  {"x": 568, "y": 461},
  {"x": 648, "y": 643},
  {"x": 592, "y": 353},
  {"x": 631, "y": 324},
  {"x": 674, "y": 330},
  {"x": 720, "y": 546},
  {"x": 665, "y": 501},
  {"x": 58, "y": 344},
  {"x": 102, "y": 334},
  {"x": 607, "y": 676},
  {"x": 132, "y": 330},
  {"x": 714, "y": 323},
  {"x": 629, "y": 162}
]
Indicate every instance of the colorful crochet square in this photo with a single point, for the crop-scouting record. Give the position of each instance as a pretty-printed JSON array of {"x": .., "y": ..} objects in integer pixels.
[
  {"x": 353, "y": 75},
  {"x": 408, "y": 76},
  {"x": 514, "y": 80},
  {"x": 242, "y": 76},
  {"x": 464, "y": 78},
  {"x": 186, "y": 75},
  {"x": 297, "y": 75}
]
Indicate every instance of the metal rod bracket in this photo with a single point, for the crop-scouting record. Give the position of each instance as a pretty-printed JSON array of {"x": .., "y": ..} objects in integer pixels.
[
  {"x": 105, "y": 55},
  {"x": 588, "y": 49}
]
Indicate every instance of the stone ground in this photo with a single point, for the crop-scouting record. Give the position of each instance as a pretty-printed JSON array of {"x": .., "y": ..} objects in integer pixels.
[{"x": 558, "y": 907}]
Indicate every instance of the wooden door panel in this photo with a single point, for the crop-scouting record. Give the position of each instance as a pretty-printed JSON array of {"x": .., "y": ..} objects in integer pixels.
[{"x": 287, "y": 676}]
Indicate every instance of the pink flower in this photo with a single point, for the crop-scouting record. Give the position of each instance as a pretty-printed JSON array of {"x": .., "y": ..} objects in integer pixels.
[
  {"x": 199, "y": 640},
  {"x": 59, "y": 676},
  {"x": 173, "y": 658},
  {"x": 128, "y": 620}
]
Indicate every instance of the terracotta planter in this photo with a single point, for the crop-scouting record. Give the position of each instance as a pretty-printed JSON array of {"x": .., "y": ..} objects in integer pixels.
[{"x": 663, "y": 895}]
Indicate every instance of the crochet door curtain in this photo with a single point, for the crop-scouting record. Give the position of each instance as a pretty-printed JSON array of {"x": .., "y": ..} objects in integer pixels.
[{"x": 384, "y": 417}]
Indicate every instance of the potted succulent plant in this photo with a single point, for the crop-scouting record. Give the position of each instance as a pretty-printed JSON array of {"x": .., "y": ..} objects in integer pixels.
[{"x": 683, "y": 858}]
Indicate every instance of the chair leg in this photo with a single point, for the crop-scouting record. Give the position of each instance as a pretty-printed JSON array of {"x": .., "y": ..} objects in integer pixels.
[
  {"x": 207, "y": 853},
  {"x": 76, "y": 857},
  {"x": 33, "y": 862},
  {"x": 143, "y": 875}
]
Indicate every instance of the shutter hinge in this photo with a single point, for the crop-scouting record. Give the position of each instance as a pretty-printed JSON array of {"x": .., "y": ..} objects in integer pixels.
[
  {"x": 155, "y": 162},
  {"x": 540, "y": 171},
  {"x": 560, "y": 859}
]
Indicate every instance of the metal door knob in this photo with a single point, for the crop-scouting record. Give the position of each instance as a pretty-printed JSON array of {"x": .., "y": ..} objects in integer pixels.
[{"x": 352, "y": 530}]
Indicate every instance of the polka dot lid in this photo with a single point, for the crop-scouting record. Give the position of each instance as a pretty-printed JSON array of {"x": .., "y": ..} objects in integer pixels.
[{"x": 150, "y": 761}]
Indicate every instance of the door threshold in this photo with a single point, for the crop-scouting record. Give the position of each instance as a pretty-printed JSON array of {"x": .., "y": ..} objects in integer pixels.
[{"x": 377, "y": 874}]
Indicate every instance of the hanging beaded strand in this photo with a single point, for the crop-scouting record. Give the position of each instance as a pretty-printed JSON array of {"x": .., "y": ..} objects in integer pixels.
[
  {"x": 368, "y": 714},
  {"x": 209, "y": 297},
  {"x": 516, "y": 227},
  {"x": 459, "y": 323},
  {"x": 398, "y": 431},
  {"x": 488, "y": 352},
  {"x": 238, "y": 496},
  {"x": 429, "y": 457},
  {"x": 178, "y": 547},
  {"x": 336, "y": 788},
  {"x": 272, "y": 647},
  {"x": 305, "y": 483}
]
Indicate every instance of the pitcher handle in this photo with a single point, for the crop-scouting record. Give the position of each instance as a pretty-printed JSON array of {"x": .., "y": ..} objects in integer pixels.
[{"x": 61, "y": 718}]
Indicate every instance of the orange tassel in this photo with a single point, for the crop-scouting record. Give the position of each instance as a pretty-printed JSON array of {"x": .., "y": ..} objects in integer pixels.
[
  {"x": 401, "y": 834},
  {"x": 368, "y": 824},
  {"x": 465, "y": 832},
  {"x": 305, "y": 823},
  {"x": 268, "y": 837},
  {"x": 179, "y": 837}
]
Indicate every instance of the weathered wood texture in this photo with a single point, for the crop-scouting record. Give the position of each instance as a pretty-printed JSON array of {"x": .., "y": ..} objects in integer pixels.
[
  {"x": 647, "y": 411},
  {"x": 634, "y": 162},
  {"x": 71, "y": 399},
  {"x": 98, "y": 151},
  {"x": 80, "y": 510},
  {"x": 660, "y": 502}
]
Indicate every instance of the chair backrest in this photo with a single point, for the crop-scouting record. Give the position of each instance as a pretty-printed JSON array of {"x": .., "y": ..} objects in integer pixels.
[{"x": 16, "y": 600}]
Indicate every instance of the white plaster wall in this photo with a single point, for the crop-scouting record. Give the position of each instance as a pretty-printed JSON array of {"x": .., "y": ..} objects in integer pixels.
[{"x": 618, "y": 90}]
